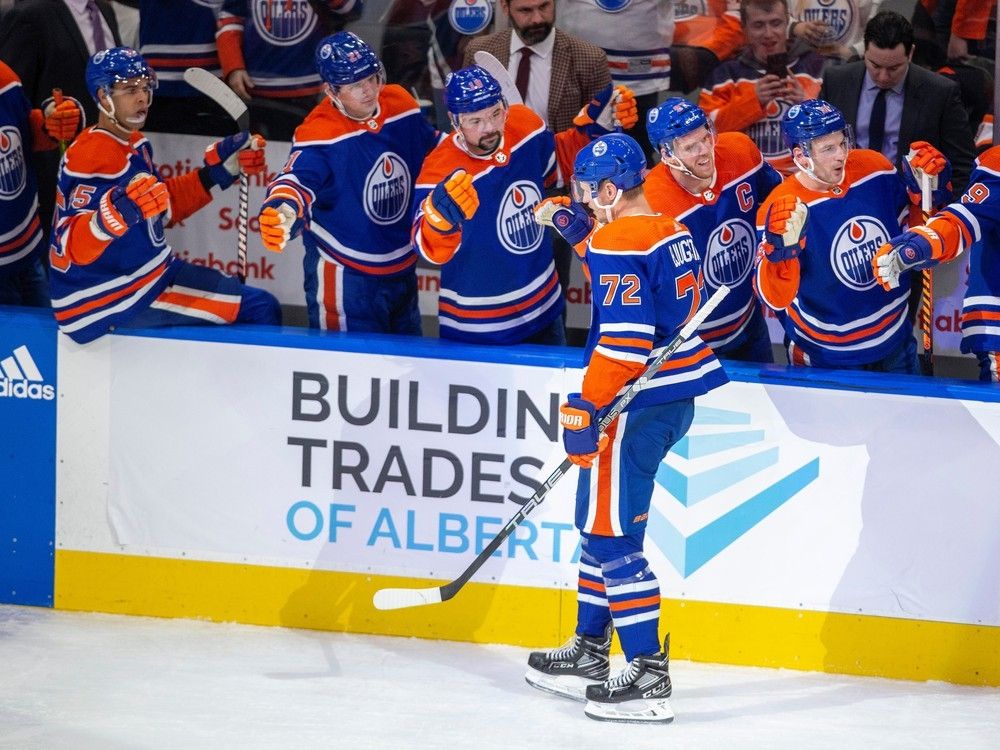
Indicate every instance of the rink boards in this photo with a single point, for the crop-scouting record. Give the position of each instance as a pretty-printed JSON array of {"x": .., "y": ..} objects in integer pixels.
[{"x": 281, "y": 478}]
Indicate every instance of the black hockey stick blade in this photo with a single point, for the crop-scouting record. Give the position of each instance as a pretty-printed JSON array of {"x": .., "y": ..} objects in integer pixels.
[{"x": 397, "y": 598}]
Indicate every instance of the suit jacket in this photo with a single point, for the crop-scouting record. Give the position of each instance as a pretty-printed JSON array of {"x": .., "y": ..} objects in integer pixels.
[
  {"x": 932, "y": 112},
  {"x": 579, "y": 70},
  {"x": 40, "y": 40}
]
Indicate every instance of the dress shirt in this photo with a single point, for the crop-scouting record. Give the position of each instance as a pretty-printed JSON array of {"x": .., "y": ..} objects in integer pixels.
[
  {"x": 541, "y": 71},
  {"x": 893, "y": 115}
]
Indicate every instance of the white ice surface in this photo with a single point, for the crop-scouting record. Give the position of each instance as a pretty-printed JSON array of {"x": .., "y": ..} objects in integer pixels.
[{"x": 81, "y": 681}]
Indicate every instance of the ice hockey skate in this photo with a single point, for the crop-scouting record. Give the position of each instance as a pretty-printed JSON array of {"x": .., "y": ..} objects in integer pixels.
[
  {"x": 638, "y": 695},
  {"x": 569, "y": 670}
]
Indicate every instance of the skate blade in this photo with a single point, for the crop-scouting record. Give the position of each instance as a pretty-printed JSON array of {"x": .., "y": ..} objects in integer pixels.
[
  {"x": 566, "y": 686},
  {"x": 647, "y": 711}
]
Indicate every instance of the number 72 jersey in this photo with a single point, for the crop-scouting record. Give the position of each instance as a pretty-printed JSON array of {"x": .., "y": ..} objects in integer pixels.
[{"x": 646, "y": 275}]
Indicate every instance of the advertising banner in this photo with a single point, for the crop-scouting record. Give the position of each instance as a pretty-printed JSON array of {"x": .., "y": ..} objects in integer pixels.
[{"x": 779, "y": 496}]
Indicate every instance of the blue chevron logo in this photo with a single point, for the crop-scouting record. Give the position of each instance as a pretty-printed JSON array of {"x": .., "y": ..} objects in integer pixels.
[{"x": 722, "y": 479}]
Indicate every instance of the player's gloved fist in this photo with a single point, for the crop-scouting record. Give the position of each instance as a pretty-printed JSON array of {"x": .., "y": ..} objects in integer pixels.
[
  {"x": 451, "y": 202},
  {"x": 580, "y": 437},
  {"x": 279, "y": 222},
  {"x": 913, "y": 249},
  {"x": 62, "y": 119},
  {"x": 784, "y": 229},
  {"x": 570, "y": 219},
  {"x": 226, "y": 158},
  {"x": 924, "y": 159},
  {"x": 123, "y": 207},
  {"x": 612, "y": 107}
]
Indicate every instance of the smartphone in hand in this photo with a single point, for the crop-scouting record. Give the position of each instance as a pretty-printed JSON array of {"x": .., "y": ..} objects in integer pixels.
[{"x": 777, "y": 64}]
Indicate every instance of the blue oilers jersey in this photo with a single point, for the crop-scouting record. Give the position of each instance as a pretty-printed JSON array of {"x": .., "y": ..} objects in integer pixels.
[
  {"x": 498, "y": 278},
  {"x": 974, "y": 222},
  {"x": 646, "y": 274},
  {"x": 722, "y": 221},
  {"x": 20, "y": 227},
  {"x": 353, "y": 182},
  {"x": 171, "y": 47},
  {"x": 98, "y": 281},
  {"x": 276, "y": 41},
  {"x": 840, "y": 315}
]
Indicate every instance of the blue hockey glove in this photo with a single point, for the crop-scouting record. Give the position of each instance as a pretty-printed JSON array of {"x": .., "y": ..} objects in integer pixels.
[
  {"x": 611, "y": 109},
  {"x": 124, "y": 206},
  {"x": 225, "y": 159},
  {"x": 923, "y": 159},
  {"x": 913, "y": 249},
  {"x": 784, "y": 229},
  {"x": 581, "y": 440},
  {"x": 570, "y": 219}
]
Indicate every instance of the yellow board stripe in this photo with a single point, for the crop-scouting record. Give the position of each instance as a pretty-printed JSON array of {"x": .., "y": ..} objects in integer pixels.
[{"x": 523, "y": 616}]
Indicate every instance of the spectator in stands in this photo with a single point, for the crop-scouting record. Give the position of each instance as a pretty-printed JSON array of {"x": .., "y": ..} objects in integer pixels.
[
  {"x": 892, "y": 103},
  {"x": 637, "y": 36},
  {"x": 842, "y": 22},
  {"x": 753, "y": 92},
  {"x": 705, "y": 34},
  {"x": 267, "y": 57}
]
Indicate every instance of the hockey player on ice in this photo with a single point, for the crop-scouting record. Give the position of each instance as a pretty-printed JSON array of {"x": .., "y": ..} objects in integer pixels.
[
  {"x": 972, "y": 223},
  {"x": 111, "y": 264},
  {"x": 647, "y": 273}
]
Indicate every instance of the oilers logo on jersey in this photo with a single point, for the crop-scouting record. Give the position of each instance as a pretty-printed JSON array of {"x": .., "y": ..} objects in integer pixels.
[
  {"x": 730, "y": 253},
  {"x": 613, "y": 6},
  {"x": 283, "y": 22},
  {"x": 387, "y": 188},
  {"x": 853, "y": 248},
  {"x": 837, "y": 15},
  {"x": 516, "y": 226},
  {"x": 766, "y": 133},
  {"x": 470, "y": 16},
  {"x": 12, "y": 170}
]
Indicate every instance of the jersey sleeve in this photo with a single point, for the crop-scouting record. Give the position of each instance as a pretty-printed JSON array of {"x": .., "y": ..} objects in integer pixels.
[
  {"x": 305, "y": 175},
  {"x": 231, "y": 18},
  {"x": 775, "y": 284},
  {"x": 432, "y": 245},
  {"x": 974, "y": 215},
  {"x": 732, "y": 105}
]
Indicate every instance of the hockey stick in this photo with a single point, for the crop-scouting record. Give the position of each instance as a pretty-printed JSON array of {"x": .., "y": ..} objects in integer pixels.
[
  {"x": 399, "y": 598},
  {"x": 215, "y": 89},
  {"x": 491, "y": 65},
  {"x": 925, "y": 315}
]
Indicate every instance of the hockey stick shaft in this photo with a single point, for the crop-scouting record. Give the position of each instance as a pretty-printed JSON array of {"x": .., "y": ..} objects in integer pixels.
[
  {"x": 925, "y": 312},
  {"x": 243, "y": 220},
  {"x": 399, "y": 598}
]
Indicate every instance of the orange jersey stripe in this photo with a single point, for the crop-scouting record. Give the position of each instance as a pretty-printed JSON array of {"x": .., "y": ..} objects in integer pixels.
[
  {"x": 225, "y": 310},
  {"x": 329, "y": 300},
  {"x": 980, "y": 315},
  {"x": 616, "y": 341},
  {"x": 592, "y": 585},
  {"x": 835, "y": 338},
  {"x": 33, "y": 226},
  {"x": 648, "y": 601},
  {"x": 149, "y": 278},
  {"x": 500, "y": 311}
]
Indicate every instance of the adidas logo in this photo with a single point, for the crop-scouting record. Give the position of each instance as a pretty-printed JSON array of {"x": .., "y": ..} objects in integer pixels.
[{"x": 21, "y": 377}]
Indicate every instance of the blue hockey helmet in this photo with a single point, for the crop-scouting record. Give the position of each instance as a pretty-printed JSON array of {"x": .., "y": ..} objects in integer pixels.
[
  {"x": 344, "y": 58},
  {"x": 672, "y": 119},
  {"x": 471, "y": 89},
  {"x": 616, "y": 157},
  {"x": 811, "y": 119},
  {"x": 110, "y": 66}
]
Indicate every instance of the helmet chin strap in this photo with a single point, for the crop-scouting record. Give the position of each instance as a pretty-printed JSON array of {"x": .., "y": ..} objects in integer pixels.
[
  {"x": 340, "y": 106},
  {"x": 124, "y": 127},
  {"x": 607, "y": 209},
  {"x": 674, "y": 162},
  {"x": 809, "y": 167}
]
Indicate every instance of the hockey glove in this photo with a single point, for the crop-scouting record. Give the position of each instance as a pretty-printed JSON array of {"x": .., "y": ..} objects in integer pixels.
[
  {"x": 612, "y": 108},
  {"x": 784, "y": 229},
  {"x": 242, "y": 152},
  {"x": 912, "y": 249},
  {"x": 570, "y": 219},
  {"x": 580, "y": 437},
  {"x": 121, "y": 208},
  {"x": 62, "y": 118},
  {"x": 925, "y": 159},
  {"x": 451, "y": 202},
  {"x": 279, "y": 222}
]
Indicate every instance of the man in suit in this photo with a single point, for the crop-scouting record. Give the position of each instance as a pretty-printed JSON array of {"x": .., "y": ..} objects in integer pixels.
[
  {"x": 560, "y": 72},
  {"x": 893, "y": 103},
  {"x": 47, "y": 43}
]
